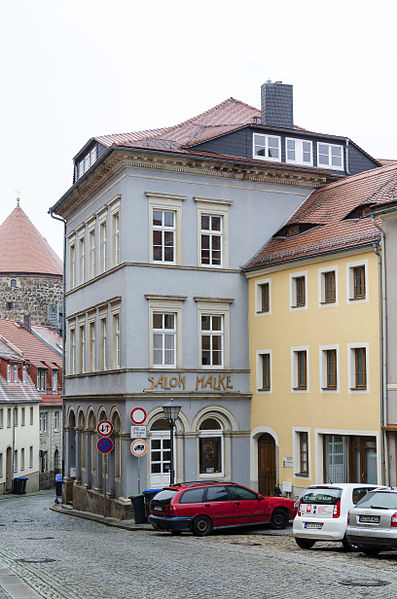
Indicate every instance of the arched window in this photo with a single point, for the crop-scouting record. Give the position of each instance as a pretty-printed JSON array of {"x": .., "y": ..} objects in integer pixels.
[
  {"x": 13, "y": 282},
  {"x": 211, "y": 446}
]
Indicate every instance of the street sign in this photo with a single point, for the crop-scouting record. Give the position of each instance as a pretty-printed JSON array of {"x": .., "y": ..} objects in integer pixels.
[
  {"x": 138, "y": 431},
  {"x": 104, "y": 428},
  {"x": 138, "y": 448},
  {"x": 104, "y": 445},
  {"x": 138, "y": 416}
]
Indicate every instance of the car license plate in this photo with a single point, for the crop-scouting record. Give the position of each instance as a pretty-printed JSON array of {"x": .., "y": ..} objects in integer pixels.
[
  {"x": 313, "y": 524},
  {"x": 369, "y": 519},
  {"x": 158, "y": 508}
]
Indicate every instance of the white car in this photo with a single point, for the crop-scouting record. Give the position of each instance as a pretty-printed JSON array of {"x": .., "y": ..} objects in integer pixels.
[{"x": 322, "y": 512}]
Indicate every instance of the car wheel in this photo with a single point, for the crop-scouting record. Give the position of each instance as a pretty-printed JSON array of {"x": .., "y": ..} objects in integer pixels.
[
  {"x": 370, "y": 550},
  {"x": 304, "y": 543},
  {"x": 202, "y": 526},
  {"x": 279, "y": 519},
  {"x": 347, "y": 545},
  {"x": 176, "y": 532}
]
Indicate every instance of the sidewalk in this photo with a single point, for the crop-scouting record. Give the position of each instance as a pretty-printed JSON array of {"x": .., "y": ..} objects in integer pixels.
[
  {"x": 124, "y": 524},
  {"x": 13, "y": 587}
]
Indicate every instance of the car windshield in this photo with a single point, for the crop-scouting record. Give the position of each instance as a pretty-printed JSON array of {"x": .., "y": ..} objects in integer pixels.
[
  {"x": 164, "y": 496},
  {"x": 379, "y": 500},
  {"x": 325, "y": 496}
]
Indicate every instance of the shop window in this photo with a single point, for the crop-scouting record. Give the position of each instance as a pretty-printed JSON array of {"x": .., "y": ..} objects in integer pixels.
[{"x": 211, "y": 447}]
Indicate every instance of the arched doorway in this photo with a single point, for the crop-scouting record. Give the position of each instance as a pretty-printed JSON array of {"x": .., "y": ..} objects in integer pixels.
[
  {"x": 160, "y": 453},
  {"x": 266, "y": 464}
]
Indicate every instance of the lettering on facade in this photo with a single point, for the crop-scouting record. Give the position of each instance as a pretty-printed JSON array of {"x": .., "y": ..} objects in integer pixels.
[{"x": 216, "y": 382}]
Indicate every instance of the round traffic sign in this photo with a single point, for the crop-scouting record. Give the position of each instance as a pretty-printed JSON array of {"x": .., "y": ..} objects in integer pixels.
[
  {"x": 138, "y": 416},
  {"x": 138, "y": 447},
  {"x": 104, "y": 445},
  {"x": 104, "y": 428}
]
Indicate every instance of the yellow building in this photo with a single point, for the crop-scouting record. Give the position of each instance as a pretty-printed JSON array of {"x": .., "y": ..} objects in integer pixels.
[{"x": 314, "y": 315}]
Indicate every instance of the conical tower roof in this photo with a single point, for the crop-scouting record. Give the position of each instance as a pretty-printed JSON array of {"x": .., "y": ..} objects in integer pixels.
[{"x": 23, "y": 249}]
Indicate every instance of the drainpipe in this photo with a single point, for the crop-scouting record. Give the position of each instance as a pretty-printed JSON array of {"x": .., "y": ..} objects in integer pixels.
[
  {"x": 63, "y": 337},
  {"x": 383, "y": 348},
  {"x": 347, "y": 157},
  {"x": 13, "y": 447}
]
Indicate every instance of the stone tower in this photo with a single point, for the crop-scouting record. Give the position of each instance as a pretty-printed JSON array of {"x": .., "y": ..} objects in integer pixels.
[{"x": 30, "y": 273}]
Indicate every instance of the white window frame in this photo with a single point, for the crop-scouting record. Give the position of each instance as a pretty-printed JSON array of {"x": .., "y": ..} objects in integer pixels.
[
  {"x": 329, "y": 163},
  {"x": 294, "y": 369},
  {"x": 214, "y": 207},
  {"x": 259, "y": 373},
  {"x": 166, "y": 203},
  {"x": 350, "y": 299},
  {"x": 22, "y": 459},
  {"x": 43, "y": 422},
  {"x": 167, "y": 305},
  {"x": 23, "y": 416},
  {"x": 81, "y": 271},
  {"x": 323, "y": 368},
  {"x": 42, "y": 378},
  {"x": 91, "y": 240},
  {"x": 31, "y": 456},
  {"x": 115, "y": 233},
  {"x": 9, "y": 373},
  {"x": 103, "y": 341},
  {"x": 351, "y": 367},
  {"x": 292, "y": 291},
  {"x": 1, "y": 417},
  {"x": 92, "y": 342},
  {"x": 296, "y": 452},
  {"x": 116, "y": 334},
  {"x": 82, "y": 363},
  {"x": 258, "y": 296},
  {"x": 321, "y": 286},
  {"x": 56, "y": 421},
  {"x": 212, "y": 307},
  {"x": 54, "y": 380},
  {"x": 298, "y": 151},
  {"x": 72, "y": 349},
  {"x": 202, "y": 434},
  {"x": 72, "y": 261},
  {"x": 103, "y": 241},
  {"x": 256, "y": 138}
]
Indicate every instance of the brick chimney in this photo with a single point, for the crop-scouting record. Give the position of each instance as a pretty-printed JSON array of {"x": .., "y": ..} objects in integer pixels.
[
  {"x": 277, "y": 104},
  {"x": 27, "y": 322}
]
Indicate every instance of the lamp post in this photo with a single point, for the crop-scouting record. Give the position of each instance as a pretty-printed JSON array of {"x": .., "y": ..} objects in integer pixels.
[{"x": 171, "y": 412}]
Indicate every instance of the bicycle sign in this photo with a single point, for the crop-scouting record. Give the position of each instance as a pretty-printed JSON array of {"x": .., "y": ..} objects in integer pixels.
[{"x": 104, "y": 428}]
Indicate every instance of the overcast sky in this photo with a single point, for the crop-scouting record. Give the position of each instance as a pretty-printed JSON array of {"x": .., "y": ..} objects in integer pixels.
[{"x": 78, "y": 68}]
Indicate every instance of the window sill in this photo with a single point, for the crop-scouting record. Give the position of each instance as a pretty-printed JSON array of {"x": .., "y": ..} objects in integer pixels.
[
  {"x": 298, "y": 306},
  {"x": 357, "y": 299},
  {"x": 329, "y": 388},
  {"x": 264, "y": 390},
  {"x": 328, "y": 303},
  {"x": 299, "y": 388},
  {"x": 301, "y": 474},
  {"x": 358, "y": 389}
]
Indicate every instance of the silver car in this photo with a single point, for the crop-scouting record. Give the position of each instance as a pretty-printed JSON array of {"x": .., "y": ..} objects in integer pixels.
[{"x": 372, "y": 523}]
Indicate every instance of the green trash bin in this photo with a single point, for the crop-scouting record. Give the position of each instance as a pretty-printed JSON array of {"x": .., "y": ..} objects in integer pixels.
[{"x": 138, "y": 503}]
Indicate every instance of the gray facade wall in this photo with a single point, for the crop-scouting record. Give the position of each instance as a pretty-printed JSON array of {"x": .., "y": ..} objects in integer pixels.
[{"x": 255, "y": 211}]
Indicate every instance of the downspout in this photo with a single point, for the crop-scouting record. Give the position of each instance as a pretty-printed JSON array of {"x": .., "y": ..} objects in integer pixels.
[
  {"x": 383, "y": 348},
  {"x": 13, "y": 447},
  {"x": 347, "y": 157},
  {"x": 63, "y": 337}
]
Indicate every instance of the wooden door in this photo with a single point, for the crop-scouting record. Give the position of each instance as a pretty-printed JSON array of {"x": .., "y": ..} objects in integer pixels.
[{"x": 266, "y": 464}]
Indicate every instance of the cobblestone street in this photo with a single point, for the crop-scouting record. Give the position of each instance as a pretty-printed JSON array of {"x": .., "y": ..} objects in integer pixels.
[{"x": 61, "y": 556}]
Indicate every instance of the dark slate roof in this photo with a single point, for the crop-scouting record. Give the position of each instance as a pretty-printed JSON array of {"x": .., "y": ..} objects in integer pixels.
[{"x": 327, "y": 209}]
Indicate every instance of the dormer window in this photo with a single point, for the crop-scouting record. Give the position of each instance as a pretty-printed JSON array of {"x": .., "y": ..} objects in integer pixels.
[
  {"x": 86, "y": 162},
  {"x": 330, "y": 155},
  {"x": 359, "y": 212},
  {"x": 299, "y": 151},
  {"x": 292, "y": 230},
  {"x": 267, "y": 147}
]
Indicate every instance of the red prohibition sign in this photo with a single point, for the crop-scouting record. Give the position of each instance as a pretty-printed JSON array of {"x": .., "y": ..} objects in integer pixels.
[
  {"x": 138, "y": 416},
  {"x": 104, "y": 428},
  {"x": 104, "y": 445}
]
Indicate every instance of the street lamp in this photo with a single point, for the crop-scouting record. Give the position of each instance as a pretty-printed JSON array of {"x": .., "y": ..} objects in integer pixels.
[{"x": 171, "y": 412}]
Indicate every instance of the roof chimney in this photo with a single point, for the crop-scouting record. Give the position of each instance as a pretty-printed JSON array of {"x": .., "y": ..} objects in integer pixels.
[
  {"x": 277, "y": 104},
  {"x": 27, "y": 322}
]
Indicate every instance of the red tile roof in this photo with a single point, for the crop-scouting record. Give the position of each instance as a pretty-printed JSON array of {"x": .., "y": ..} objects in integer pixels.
[
  {"x": 18, "y": 392},
  {"x": 33, "y": 349},
  {"x": 23, "y": 249},
  {"x": 222, "y": 118},
  {"x": 327, "y": 209}
]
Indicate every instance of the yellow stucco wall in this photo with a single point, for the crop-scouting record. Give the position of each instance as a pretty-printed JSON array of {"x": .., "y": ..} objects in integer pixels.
[{"x": 339, "y": 324}]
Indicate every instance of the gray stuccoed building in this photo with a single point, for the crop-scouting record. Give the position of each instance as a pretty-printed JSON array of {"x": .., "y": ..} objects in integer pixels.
[{"x": 158, "y": 225}]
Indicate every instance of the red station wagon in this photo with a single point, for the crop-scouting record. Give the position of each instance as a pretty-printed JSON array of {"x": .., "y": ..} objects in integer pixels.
[{"x": 201, "y": 506}]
